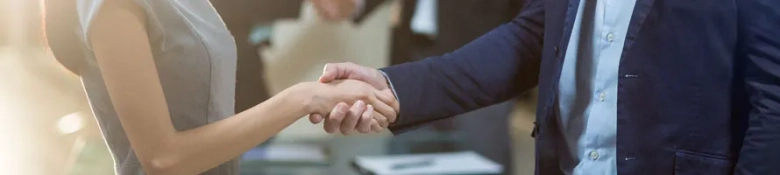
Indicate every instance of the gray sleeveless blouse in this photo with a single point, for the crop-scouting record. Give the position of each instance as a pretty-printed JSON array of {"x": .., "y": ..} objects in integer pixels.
[{"x": 195, "y": 56}]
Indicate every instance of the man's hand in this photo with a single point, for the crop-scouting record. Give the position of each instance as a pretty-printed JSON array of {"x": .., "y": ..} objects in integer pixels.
[
  {"x": 336, "y": 71},
  {"x": 336, "y": 10}
]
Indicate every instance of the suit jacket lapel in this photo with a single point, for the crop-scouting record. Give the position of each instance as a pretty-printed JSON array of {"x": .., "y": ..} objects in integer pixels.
[
  {"x": 641, "y": 10},
  {"x": 560, "y": 49},
  {"x": 571, "y": 16},
  {"x": 568, "y": 25}
]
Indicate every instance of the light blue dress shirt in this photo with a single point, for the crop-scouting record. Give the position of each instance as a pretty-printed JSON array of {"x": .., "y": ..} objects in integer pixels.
[{"x": 588, "y": 87}]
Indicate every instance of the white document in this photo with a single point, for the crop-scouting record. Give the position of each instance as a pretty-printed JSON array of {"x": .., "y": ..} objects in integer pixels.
[
  {"x": 287, "y": 153},
  {"x": 440, "y": 163}
]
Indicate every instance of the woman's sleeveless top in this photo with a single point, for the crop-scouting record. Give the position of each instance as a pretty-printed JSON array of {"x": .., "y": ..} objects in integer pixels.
[{"x": 195, "y": 56}]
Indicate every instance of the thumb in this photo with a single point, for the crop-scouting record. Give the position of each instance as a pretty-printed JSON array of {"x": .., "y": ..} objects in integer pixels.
[
  {"x": 329, "y": 73},
  {"x": 336, "y": 71},
  {"x": 315, "y": 118}
]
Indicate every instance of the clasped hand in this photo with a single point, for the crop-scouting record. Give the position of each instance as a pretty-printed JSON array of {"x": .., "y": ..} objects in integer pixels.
[{"x": 364, "y": 101}]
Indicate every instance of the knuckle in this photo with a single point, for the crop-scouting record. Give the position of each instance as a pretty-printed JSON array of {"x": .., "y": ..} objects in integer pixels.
[
  {"x": 336, "y": 118},
  {"x": 363, "y": 96},
  {"x": 340, "y": 111},
  {"x": 366, "y": 119},
  {"x": 343, "y": 107}
]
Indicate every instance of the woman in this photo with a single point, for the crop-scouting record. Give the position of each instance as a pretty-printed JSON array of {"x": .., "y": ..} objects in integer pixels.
[{"x": 160, "y": 76}]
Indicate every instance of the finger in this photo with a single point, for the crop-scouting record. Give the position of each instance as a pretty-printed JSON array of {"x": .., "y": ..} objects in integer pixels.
[
  {"x": 335, "y": 117},
  {"x": 388, "y": 97},
  {"x": 382, "y": 120},
  {"x": 364, "y": 126},
  {"x": 381, "y": 107},
  {"x": 327, "y": 125},
  {"x": 315, "y": 118},
  {"x": 353, "y": 116},
  {"x": 330, "y": 72},
  {"x": 335, "y": 71},
  {"x": 375, "y": 126}
]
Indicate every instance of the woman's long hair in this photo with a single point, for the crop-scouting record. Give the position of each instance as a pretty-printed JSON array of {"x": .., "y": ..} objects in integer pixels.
[{"x": 60, "y": 21}]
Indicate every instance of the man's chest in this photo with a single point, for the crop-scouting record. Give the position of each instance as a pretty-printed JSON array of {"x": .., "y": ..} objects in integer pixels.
[{"x": 660, "y": 37}]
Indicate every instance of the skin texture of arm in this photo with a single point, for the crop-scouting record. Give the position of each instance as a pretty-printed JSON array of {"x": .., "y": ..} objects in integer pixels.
[{"x": 123, "y": 53}]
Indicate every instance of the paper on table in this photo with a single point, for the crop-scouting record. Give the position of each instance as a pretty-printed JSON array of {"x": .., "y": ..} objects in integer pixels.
[
  {"x": 441, "y": 163},
  {"x": 287, "y": 152}
]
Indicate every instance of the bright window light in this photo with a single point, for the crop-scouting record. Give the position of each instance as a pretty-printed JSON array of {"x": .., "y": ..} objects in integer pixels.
[{"x": 70, "y": 123}]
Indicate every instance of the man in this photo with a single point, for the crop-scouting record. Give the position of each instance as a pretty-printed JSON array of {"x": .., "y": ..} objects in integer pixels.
[
  {"x": 625, "y": 87},
  {"x": 427, "y": 28}
]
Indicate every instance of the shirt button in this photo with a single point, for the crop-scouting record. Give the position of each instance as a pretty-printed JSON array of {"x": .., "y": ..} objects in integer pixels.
[
  {"x": 602, "y": 96},
  {"x": 594, "y": 155},
  {"x": 610, "y": 37}
]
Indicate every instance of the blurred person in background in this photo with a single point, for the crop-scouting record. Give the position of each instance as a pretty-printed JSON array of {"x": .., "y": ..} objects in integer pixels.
[
  {"x": 160, "y": 78},
  {"x": 243, "y": 18},
  {"x": 424, "y": 28}
]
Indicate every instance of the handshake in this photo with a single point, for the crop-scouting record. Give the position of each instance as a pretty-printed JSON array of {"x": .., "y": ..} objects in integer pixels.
[{"x": 348, "y": 98}]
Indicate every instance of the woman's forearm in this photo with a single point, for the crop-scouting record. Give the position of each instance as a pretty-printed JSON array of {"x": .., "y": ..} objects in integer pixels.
[{"x": 197, "y": 150}]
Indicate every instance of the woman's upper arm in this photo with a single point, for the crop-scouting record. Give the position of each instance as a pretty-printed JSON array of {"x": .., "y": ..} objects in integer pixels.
[{"x": 118, "y": 37}]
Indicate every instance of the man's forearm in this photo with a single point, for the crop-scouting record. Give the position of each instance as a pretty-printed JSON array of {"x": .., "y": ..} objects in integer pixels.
[{"x": 489, "y": 70}]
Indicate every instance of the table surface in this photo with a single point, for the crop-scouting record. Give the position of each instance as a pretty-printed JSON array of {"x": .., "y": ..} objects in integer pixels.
[
  {"x": 343, "y": 149},
  {"x": 341, "y": 152}
]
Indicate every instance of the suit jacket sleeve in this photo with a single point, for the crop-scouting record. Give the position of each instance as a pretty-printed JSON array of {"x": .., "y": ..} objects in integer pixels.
[
  {"x": 368, "y": 7},
  {"x": 491, "y": 69},
  {"x": 760, "y": 52}
]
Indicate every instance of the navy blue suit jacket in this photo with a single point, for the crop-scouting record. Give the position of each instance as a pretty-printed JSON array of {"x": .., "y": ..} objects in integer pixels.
[{"x": 699, "y": 87}]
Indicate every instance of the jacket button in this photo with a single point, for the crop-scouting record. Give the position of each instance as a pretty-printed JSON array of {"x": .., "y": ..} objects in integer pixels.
[{"x": 556, "y": 50}]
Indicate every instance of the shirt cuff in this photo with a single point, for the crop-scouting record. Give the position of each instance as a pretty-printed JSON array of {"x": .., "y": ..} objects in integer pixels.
[
  {"x": 390, "y": 83},
  {"x": 392, "y": 88}
]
